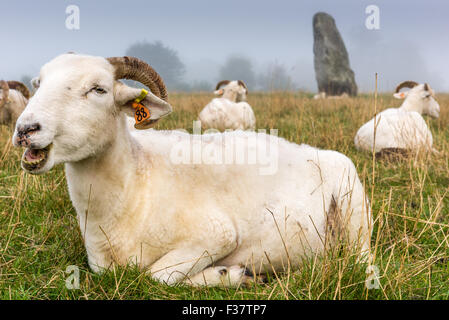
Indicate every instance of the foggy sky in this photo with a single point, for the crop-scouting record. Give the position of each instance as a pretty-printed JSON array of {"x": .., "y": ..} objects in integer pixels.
[{"x": 412, "y": 43}]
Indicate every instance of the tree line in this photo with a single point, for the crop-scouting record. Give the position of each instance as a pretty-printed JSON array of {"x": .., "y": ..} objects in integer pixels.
[{"x": 167, "y": 63}]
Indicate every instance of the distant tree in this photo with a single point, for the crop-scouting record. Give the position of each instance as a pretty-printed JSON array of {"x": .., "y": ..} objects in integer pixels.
[
  {"x": 238, "y": 68},
  {"x": 275, "y": 78},
  {"x": 162, "y": 58}
]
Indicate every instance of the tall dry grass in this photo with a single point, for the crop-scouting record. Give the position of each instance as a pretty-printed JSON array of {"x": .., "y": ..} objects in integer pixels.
[{"x": 39, "y": 235}]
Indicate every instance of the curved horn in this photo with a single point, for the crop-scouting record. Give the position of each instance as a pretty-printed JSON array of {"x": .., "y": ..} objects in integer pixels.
[
  {"x": 19, "y": 86},
  {"x": 135, "y": 69},
  {"x": 221, "y": 83},
  {"x": 243, "y": 85},
  {"x": 406, "y": 84},
  {"x": 5, "y": 91}
]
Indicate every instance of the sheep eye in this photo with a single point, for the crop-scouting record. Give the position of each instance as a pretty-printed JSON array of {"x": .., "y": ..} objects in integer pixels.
[{"x": 99, "y": 90}]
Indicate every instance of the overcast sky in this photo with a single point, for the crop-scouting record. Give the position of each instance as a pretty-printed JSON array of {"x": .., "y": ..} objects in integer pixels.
[{"x": 412, "y": 43}]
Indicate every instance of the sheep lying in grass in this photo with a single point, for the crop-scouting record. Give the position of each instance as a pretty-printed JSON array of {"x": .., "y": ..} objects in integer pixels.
[
  {"x": 401, "y": 130},
  {"x": 198, "y": 223},
  {"x": 14, "y": 96},
  {"x": 323, "y": 95},
  {"x": 230, "y": 110}
]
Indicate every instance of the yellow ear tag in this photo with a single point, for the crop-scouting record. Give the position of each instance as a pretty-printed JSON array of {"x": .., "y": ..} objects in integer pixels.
[{"x": 141, "y": 113}]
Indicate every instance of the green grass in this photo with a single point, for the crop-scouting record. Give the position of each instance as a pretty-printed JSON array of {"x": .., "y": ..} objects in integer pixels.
[{"x": 39, "y": 234}]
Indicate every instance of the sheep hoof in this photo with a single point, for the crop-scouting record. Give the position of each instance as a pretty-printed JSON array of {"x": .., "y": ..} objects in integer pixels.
[{"x": 238, "y": 276}]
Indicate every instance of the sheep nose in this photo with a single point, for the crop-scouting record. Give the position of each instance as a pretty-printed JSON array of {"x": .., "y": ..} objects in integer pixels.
[
  {"x": 28, "y": 129},
  {"x": 24, "y": 132}
]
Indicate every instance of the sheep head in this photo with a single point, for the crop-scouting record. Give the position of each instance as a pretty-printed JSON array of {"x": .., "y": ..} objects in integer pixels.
[
  {"x": 420, "y": 98},
  {"x": 235, "y": 90},
  {"x": 79, "y": 106}
]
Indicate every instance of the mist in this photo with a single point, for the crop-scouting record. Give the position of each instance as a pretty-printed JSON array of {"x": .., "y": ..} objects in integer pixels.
[{"x": 411, "y": 43}]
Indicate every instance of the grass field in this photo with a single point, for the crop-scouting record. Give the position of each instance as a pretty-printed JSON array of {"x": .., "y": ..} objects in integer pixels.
[{"x": 39, "y": 235}]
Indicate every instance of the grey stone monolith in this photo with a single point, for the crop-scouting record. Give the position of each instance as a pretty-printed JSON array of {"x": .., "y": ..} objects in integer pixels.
[{"x": 333, "y": 73}]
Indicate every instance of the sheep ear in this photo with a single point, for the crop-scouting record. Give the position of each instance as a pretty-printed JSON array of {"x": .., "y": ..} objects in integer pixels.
[
  {"x": 428, "y": 90},
  {"x": 400, "y": 95},
  {"x": 125, "y": 98},
  {"x": 218, "y": 92}
]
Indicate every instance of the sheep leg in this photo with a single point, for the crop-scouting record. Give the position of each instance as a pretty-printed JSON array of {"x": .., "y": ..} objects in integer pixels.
[
  {"x": 193, "y": 269},
  {"x": 190, "y": 272},
  {"x": 179, "y": 264}
]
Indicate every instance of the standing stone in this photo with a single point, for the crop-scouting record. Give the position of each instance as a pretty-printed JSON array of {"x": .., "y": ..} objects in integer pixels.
[{"x": 333, "y": 74}]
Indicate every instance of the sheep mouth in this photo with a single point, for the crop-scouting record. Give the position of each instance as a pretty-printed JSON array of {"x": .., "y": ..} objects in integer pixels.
[{"x": 35, "y": 159}]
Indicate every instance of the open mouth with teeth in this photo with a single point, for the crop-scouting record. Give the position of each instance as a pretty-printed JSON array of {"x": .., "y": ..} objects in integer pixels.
[{"x": 35, "y": 159}]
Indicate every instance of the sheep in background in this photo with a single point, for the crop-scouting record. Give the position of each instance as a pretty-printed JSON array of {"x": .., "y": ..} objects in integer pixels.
[
  {"x": 230, "y": 110},
  {"x": 14, "y": 97},
  {"x": 197, "y": 223},
  {"x": 322, "y": 95},
  {"x": 235, "y": 91},
  {"x": 403, "y": 129}
]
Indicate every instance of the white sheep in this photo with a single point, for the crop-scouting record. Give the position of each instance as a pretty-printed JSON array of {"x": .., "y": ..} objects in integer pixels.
[
  {"x": 14, "y": 97},
  {"x": 401, "y": 128},
  {"x": 196, "y": 223},
  {"x": 230, "y": 110},
  {"x": 323, "y": 95}
]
